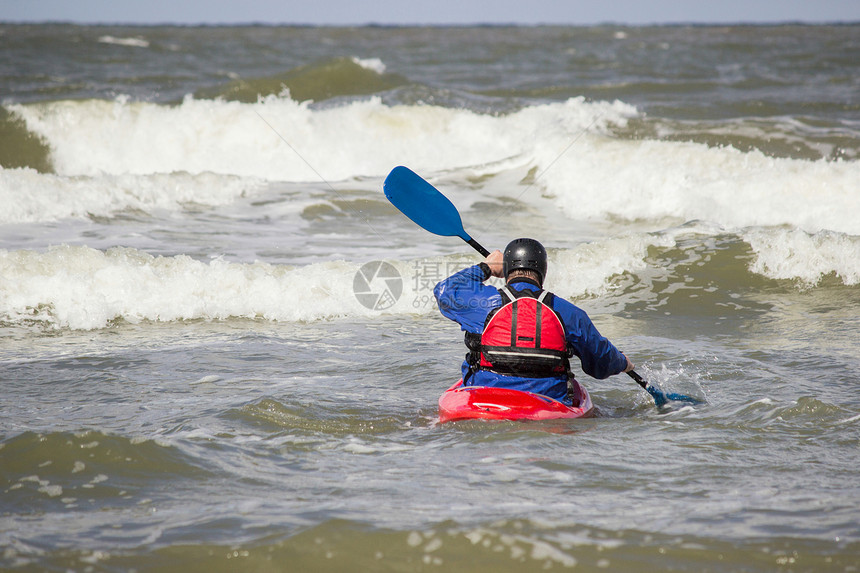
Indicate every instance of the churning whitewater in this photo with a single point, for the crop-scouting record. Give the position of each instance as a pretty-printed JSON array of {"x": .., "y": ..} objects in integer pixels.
[{"x": 115, "y": 158}]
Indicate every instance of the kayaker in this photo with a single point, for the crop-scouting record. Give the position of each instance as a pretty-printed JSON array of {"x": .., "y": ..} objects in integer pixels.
[{"x": 513, "y": 341}]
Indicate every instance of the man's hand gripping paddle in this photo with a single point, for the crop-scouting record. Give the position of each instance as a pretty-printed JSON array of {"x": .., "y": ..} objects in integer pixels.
[{"x": 429, "y": 209}]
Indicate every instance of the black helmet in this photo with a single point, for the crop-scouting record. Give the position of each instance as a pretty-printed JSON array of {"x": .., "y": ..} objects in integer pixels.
[{"x": 525, "y": 254}]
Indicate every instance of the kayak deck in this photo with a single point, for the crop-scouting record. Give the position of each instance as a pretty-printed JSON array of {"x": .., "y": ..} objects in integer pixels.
[{"x": 488, "y": 403}]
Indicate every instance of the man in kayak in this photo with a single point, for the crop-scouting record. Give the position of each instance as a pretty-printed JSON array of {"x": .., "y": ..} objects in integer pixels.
[{"x": 521, "y": 336}]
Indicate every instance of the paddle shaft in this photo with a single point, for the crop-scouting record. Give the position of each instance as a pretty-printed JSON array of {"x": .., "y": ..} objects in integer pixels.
[
  {"x": 477, "y": 246},
  {"x": 639, "y": 379}
]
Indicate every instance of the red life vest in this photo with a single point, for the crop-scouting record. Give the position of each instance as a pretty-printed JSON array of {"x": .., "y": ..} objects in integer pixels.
[{"x": 524, "y": 337}]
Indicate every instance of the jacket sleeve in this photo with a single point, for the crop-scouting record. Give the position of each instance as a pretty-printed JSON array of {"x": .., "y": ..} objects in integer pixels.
[
  {"x": 464, "y": 298},
  {"x": 598, "y": 356}
]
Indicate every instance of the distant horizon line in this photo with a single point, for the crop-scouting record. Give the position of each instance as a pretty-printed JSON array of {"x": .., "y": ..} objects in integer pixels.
[{"x": 257, "y": 24}]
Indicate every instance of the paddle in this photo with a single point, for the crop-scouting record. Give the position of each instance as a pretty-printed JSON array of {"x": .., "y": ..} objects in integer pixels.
[
  {"x": 661, "y": 398},
  {"x": 427, "y": 207}
]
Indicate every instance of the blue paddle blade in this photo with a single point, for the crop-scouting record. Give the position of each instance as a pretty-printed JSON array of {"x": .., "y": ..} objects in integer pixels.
[
  {"x": 671, "y": 396},
  {"x": 423, "y": 203},
  {"x": 660, "y": 397}
]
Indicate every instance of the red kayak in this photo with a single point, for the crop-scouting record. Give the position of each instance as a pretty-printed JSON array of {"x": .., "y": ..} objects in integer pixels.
[{"x": 482, "y": 402}]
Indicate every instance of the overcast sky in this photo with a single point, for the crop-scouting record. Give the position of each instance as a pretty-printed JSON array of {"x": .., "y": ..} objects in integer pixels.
[{"x": 357, "y": 12}]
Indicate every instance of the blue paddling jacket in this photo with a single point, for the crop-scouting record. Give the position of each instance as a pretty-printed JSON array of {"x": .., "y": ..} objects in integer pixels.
[{"x": 464, "y": 298}]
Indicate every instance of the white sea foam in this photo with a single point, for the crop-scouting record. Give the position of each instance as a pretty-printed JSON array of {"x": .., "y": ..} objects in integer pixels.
[
  {"x": 373, "y": 64},
  {"x": 117, "y": 153},
  {"x": 135, "y": 42},
  {"x": 28, "y": 196},
  {"x": 795, "y": 254},
  {"x": 686, "y": 181},
  {"x": 280, "y": 139},
  {"x": 801, "y": 218},
  {"x": 574, "y": 272},
  {"x": 590, "y": 174},
  {"x": 83, "y": 288}
]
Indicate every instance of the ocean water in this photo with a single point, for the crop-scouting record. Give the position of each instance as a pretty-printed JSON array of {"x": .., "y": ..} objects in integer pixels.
[{"x": 203, "y": 367}]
